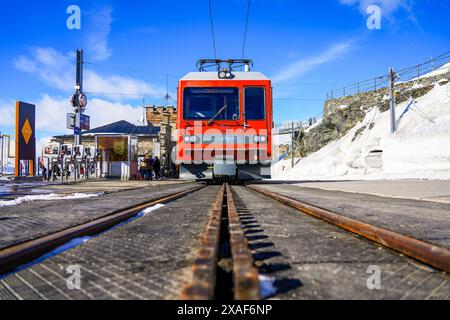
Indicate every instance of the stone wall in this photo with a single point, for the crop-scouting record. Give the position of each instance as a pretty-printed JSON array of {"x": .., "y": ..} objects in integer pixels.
[
  {"x": 155, "y": 114},
  {"x": 145, "y": 145},
  {"x": 342, "y": 114}
]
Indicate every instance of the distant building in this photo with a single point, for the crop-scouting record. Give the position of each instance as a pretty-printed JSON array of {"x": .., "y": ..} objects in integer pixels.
[{"x": 147, "y": 135}]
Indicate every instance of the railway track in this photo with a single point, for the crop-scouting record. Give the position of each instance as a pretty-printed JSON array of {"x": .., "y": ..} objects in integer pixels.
[
  {"x": 223, "y": 268},
  {"x": 231, "y": 257},
  {"x": 435, "y": 256},
  {"x": 16, "y": 255}
]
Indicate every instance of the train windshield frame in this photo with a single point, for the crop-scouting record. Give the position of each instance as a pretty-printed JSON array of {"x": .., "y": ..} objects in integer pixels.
[
  {"x": 255, "y": 103},
  {"x": 206, "y": 103}
]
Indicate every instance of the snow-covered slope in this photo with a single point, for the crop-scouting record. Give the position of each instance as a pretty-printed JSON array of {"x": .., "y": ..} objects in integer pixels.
[{"x": 419, "y": 149}]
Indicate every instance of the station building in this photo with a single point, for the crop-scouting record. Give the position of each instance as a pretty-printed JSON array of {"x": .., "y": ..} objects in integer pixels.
[{"x": 125, "y": 143}]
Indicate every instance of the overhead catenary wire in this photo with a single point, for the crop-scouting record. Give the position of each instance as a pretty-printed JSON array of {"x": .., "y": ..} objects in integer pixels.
[
  {"x": 297, "y": 99},
  {"x": 246, "y": 28},
  {"x": 124, "y": 94},
  {"x": 212, "y": 29},
  {"x": 131, "y": 69}
]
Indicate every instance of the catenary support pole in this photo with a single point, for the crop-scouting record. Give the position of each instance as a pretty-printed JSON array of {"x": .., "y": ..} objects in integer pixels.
[
  {"x": 292, "y": 143},
  {"x": 392, "y": 76}
]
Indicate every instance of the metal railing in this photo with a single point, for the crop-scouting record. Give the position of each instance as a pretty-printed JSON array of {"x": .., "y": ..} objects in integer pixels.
[
  {"x": 382, "y": 82},
  {"x": 288, "y": 125}
]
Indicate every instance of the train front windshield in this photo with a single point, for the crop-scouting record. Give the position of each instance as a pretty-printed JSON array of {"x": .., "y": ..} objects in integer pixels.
[{"x": 211, "y": 104}]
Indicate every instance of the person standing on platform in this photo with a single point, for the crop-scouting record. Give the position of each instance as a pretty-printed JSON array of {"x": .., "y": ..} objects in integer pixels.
[
  {"x": 150, "y": 164},
  {"x": 143, "y": 168},
  {"x": 157, "y": 168}
]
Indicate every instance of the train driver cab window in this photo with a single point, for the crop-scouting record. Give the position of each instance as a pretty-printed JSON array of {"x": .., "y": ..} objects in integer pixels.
[{"x": 254, "y": 103}]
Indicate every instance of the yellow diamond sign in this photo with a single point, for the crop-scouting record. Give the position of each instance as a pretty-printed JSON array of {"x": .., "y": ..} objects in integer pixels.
[{"x": 27, "y": 131}]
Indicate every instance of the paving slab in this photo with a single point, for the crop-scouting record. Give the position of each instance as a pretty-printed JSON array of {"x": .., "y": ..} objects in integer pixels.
[
  {"x": 427, "y": 190},
  {"x": 38, "y": 218},
  {"x": 148, "y": 258},
  {"x": 424, "y": 220},
  {"x": 12, "y": 190},
  {"x": 307, "y": 258}
]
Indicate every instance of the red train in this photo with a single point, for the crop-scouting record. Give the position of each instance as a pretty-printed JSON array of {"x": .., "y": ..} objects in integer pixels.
[{"x": 224, "y": 124}]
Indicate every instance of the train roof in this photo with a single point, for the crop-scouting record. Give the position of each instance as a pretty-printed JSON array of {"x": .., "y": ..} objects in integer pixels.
[{"x": 215, "y": 76}]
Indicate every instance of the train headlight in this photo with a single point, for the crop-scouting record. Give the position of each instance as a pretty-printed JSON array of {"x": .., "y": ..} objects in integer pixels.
[
  {"x": 225, "y": 74},
  {"x": 259, "y": 139},
  {"x": 190, "y": 139}
]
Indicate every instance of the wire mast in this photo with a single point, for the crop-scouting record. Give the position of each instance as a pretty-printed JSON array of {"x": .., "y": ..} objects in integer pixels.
[{"x": 392, "y": 76}]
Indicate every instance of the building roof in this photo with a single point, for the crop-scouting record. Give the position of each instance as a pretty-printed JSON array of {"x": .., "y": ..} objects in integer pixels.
[
  {"x": 122, "y": 127},
  {"x": 215, "y": 76}
]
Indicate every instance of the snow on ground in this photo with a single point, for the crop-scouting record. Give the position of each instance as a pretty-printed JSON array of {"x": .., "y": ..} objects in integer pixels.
[
  {"x": 419, "y": 149},
  {"x": 48, "y": 197},
  {"x": 441, "y": 70},
  {"x": 280, "y": 139},
  {"x": 267, "y": 286}
]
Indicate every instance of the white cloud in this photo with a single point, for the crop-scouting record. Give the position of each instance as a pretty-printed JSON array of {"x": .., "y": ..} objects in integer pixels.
[
  {"x": 302, "y": 66},
  {"x": 57, "y": 70},
  {"x": 103, "y": 112},
  {"x": 388, "y": 7},
  {"x": 7, "y": 112},
  {"x": 93, "y": 82},
  {"x": 49, "y": 65},
  {"x": 51, "y": 114},
  {"x": 99, "y": 28}
]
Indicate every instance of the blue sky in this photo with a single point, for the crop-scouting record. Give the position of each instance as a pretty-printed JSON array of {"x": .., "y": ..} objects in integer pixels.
[{"x": 306, "y": 47}]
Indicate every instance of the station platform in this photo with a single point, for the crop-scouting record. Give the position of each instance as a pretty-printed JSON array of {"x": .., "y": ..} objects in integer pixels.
[
  {"x": 424, "y": 220},
  {"x": 35, "y": 219}
]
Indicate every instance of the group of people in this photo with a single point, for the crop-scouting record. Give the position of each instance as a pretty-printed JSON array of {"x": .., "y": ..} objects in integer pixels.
[{"x": 148, "y": 166}]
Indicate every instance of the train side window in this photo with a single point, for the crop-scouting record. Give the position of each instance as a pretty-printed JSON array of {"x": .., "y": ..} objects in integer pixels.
[{"x": 254, "y": 103}]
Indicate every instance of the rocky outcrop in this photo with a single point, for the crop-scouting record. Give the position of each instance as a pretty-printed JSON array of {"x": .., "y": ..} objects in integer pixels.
[{"x": 342, "y": 114}]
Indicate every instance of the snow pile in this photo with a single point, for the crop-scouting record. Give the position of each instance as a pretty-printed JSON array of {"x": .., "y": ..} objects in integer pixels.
[
  {"x": 439, "y": 71},
  {"x": 48, "y": 197},
  {"x": 279, "y": 139},
  {"x": 419, "y": 149}
]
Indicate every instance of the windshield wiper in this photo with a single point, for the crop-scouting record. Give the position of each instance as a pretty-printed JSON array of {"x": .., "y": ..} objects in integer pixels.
[{"x": 218, "y": 112}]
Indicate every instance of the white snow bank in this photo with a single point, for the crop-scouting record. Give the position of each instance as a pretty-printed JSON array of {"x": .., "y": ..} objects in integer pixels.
[
  {"x": 279, "y": 139},
  {"x": 48, "y": 197},
  {"x": 441, "y": 70},
  {"x": 419, "y": 149}
]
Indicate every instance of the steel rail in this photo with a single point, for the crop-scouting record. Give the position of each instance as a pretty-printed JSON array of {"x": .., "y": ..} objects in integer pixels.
[
  {"x": 203, "y": 283},
  {"x": 16, "y": 255},
  {"x": 435, "y": 256},
  {"x": 245, "y": 275}
]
